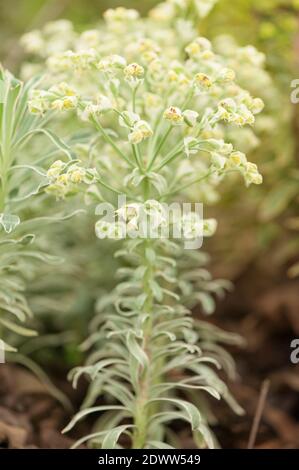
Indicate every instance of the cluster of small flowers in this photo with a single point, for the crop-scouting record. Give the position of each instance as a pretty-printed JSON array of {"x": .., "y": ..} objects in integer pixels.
[
  {"x": 139, "y": 128},
  {"x": 65, "y": 178},
  {"x": 162, "y": 84},
  {"x": 224, "y": 158},
  {"x": 204, "y": 73},
  {"x": 240, "y": 111},
  {"x": 58, "y": 97},
  {"x": 152, "y": 219},
  {"x": 178, "y": 117},
  {"x": 237, "y": 160}
]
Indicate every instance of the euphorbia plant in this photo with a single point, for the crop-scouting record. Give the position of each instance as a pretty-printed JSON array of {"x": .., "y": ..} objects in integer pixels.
[{"x": 151, "y": 115}]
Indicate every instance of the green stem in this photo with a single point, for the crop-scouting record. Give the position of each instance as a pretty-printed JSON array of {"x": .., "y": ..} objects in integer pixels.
[
  {"x": 134, "y": 98},
  {"x": 142, "y": 410},
  {"x": 142, "y": 413},
  {"x": 169, "y": 159},
  {"x": 110, "y": 141},
  {"x": 159, "y": 147},
  {"x": 137, "y": 157}
]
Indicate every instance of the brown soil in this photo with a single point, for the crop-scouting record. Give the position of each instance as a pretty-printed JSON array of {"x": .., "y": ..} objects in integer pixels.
[{"x": 266, "y": 313}]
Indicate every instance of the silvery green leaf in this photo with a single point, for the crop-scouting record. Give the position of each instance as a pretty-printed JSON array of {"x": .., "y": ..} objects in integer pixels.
[
  {"x": 190, "y": 335},
  {"x": 93, "y": 392},
  {"x": 209, "y": 331},
  {"x": 20, "y": 330},
  {"x": 171, "y": 294},
  {"x": 150, "y": 255},
  {"x": 232, "y": 402},
  {"x": 17, "y": 309},
  {"x": 25, "y": 240},
  {"x": 169, "y": 335},
  {"x": 203, "y": 432},
  {"x": 59, "y": 144},
  {"x": 81, "y": 414},
  {"x": 36, "y": 222},
  {"x": 190, "y": 411},
  {"x": 120, "y": 392},
  {"x": 140, "y": 300},
  {"x": 35, "y": 169},
  {"x": 8, "y": 348},
  {"x": 222, "y": 356},
  {"x": 165, "y": 417},
  {"x": 135, "y": 349},
  {"x": 157, "y": 291},
  {"x": 89, "y": 437},
  {"x": 45, "y": 257},
  {"x": 207, "y": 302},
  {"x": 112, "y": 436}
]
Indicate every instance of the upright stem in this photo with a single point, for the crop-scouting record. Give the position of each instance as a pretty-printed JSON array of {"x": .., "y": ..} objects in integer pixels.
[
  {"x": 110, "y": 141},
  {"x": 159, "y": 147},
  {"x": 142, "y": 411},
  {"x": 141, "y": 420}
]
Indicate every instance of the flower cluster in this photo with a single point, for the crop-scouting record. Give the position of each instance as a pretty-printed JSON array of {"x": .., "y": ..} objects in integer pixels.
[
  {"x": 159, "y": 90},
  {"x": 134, "y": 74},
  {"x": 240, "y": 111},
  {"x": 224, "y": 158},
  {"x": 64, "y": 179},
  {"x": 59, "y": 97}
]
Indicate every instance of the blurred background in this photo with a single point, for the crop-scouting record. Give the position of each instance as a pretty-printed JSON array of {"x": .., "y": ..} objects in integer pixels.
[
  {"x": 267, "y": 23},
  {"x": 24, "y": 15}
]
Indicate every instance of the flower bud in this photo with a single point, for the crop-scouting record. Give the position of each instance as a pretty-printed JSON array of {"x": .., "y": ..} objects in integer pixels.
[{"x": 174, "y": 115}]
